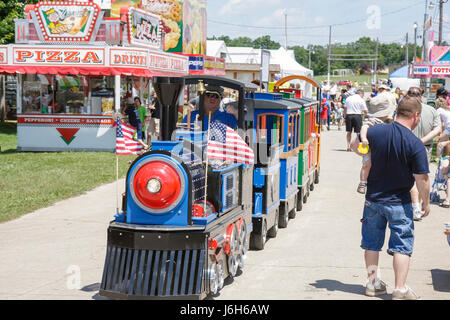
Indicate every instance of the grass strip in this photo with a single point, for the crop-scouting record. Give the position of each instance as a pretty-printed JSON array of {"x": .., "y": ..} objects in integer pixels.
[{"x": 34, "y": 180}]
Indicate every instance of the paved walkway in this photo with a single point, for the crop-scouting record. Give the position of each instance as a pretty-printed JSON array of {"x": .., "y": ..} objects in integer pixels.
[{"x": 58, "y": 252}]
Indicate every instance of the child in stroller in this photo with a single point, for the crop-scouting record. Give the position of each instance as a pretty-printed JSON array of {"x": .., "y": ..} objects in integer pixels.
[{"x": 442, "y": 177}]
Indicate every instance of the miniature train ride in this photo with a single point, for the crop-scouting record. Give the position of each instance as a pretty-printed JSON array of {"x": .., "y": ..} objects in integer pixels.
[{"x": 187, "y": 222}]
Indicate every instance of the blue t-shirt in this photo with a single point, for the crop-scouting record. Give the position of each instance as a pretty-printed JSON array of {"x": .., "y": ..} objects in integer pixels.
[
  {"x": 396, "y": 154},
  {"x": 219, "y": 116}
]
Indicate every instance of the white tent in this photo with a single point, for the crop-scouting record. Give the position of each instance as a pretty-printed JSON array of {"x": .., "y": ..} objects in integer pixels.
[
  {"x": 284, "y": 58},
  {"x": 399, "y": 79}
]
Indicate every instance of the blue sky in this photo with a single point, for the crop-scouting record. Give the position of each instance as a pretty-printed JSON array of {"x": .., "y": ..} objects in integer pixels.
[{"x": 308, "y": 20}]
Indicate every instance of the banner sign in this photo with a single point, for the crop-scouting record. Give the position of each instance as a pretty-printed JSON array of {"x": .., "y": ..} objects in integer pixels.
[
  {"x": 55, "y": 56},
  {"x": 196, "y": 63},
  {"x": 3, "y": 55},
  {"x": 440, "y": 70},
  {"x": 128, "y": 58},
  {"x": 31, "y": 119},
  {"x": 67, "y": 20},
  {"x": 144, "y": 28},
  {"x": 199, "y": 64},
  {"x": 141, "y": 59},
  {"x": 421, "y": 70}
]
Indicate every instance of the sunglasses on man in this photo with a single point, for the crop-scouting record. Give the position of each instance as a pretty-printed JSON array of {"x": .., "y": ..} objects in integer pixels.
[{"x": 212, "y": 95}]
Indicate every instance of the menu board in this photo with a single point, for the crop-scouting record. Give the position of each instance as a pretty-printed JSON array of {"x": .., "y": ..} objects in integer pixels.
[{"x": 183, "y": 22}]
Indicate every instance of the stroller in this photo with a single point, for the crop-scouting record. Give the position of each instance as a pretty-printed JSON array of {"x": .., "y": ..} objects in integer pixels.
[{"x": 440, "y": 181}]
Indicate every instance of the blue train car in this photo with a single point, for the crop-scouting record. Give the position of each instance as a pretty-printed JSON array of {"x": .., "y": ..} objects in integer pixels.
[{"x": 277, "y": 136}]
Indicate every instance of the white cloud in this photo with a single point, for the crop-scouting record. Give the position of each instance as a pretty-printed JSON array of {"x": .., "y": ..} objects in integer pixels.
[
  {"x": 294, "y": 16},
  {"x": 319, "y": 20},
  {"x": 246, "y": 6}
]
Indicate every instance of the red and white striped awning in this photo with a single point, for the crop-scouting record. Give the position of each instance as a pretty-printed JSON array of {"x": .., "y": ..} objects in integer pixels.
[{"x": 91, "y": 60}]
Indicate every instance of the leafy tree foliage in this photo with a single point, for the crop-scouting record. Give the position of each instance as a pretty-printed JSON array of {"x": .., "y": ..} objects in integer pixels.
[
  {"x": 10, "y": 10},
  {"x": 388, "y": 53}
]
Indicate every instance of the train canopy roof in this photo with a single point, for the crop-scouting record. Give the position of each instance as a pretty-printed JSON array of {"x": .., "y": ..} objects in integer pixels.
[
  {"x": 221, "y": 81},
  {"x": 276, "y": 104},
  {"x": 305, "y": 102}
]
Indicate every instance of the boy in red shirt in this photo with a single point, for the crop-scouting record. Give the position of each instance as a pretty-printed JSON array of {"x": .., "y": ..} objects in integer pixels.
[{"x": 324, "y": 113}]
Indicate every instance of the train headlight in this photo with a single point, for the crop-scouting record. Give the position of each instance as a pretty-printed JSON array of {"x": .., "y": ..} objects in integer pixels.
[
  {"x": 157, "y": 184},
  {"x": 154, "y": 185}
]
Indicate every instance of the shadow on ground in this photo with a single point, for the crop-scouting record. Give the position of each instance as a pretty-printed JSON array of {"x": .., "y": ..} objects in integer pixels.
[
  {"x": 441, "y": 280},
  {"x": 334, "y": 285}
]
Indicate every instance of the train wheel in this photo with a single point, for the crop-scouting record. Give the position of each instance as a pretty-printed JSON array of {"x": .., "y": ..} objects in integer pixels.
[
  {"x": 284, "y": 218},
  {"x": 233, "y": 256},
  {"x": 300, "y": 200},
  {"x": 316, "y": 177},
  {"x": 293, "y": 212},
  {"x": 243, "y": 245},
  {"x": 257, "y": 241},
  {"x": 213, "y": 278},
  {"x": 305, "y": 195},
  {"x": 274, "y": 230},
  {"x": 311, "y": 187},
  {"x": 220, "y": 274}
]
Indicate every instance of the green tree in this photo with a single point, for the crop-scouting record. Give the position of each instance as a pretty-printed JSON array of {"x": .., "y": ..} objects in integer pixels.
[
  {"x": 265, "y": 42},
  {"x": 10, "y": 10}
]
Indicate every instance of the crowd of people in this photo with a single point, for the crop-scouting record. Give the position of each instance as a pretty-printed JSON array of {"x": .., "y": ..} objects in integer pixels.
[{"x": 395, "y": 132}]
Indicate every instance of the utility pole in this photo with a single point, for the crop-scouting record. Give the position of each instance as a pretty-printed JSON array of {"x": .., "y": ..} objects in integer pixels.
[
  {"x": 309, "y": 58},
  {"x": 376, "y": 63},
  {"x": 285, "y": 29},
  {"x": 407, "y": 53},
  {"x": 415, "y": 42},
  {"x": 329, "y": 57},
  {"x": 423, "y": 36},
  {"x": 441, "y": 9}
]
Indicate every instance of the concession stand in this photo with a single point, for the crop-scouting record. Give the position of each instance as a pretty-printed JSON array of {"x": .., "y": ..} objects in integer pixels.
[
  {"x": 76, "y": 68},
  {"x": 435, "y": 72}
]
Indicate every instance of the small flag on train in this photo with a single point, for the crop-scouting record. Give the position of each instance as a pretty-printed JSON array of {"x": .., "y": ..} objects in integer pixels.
[
  {"x": 125, "y": 144},
  {"x": 225, "y": 144}
]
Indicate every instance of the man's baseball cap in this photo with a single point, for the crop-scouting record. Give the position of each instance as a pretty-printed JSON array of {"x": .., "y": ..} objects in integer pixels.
[{"x": 213, "y": 88}]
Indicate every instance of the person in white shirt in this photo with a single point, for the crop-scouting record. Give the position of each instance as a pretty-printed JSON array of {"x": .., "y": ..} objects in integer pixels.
[
  {"x": 354, "y": 107},
  {"x": 333, "y": 91}
]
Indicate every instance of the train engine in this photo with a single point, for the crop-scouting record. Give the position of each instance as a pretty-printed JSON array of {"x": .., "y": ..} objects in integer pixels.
[{"x": 185, "y": 224}]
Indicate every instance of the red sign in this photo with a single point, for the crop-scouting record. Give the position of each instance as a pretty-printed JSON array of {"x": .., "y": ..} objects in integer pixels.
[
  {"x": 440, "y": 71},
  {"x": 65, "y": 120},
  {"x": 67, "y": 21},
  {"x": 52, "y": 55},
  {"x": 68, "y": 134},
  {"x": 128, "y": 58}
]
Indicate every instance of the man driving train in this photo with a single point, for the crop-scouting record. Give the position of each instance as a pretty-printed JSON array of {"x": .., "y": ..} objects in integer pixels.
[{"x": 213, "y": 96}]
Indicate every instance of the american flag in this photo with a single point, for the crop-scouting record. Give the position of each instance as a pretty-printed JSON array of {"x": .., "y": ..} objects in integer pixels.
[
  {"x": 124, "y": 139},
  {"x": 225, "y": 144}
]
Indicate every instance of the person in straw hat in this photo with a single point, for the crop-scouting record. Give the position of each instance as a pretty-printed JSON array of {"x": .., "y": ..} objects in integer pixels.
[{"x": 381, "y": 112}]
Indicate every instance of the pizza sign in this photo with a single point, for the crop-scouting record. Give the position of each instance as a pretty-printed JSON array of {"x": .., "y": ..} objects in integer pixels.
[
  {"x": 67, "y": 20},
  {"x": 144, "y": 28}
]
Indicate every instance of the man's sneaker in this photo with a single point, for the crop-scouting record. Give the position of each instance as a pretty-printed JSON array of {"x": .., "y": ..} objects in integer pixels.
[
  {"x": 373, "y": 290},
  {"x": 398, "y": 294},
  {"x": 362, "y": 187},
  {"x": 417, "y": 215}
]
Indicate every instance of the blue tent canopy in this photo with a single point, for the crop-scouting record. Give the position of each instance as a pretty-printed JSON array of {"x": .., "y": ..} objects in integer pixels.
[{"x": 401, "y": 72}]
